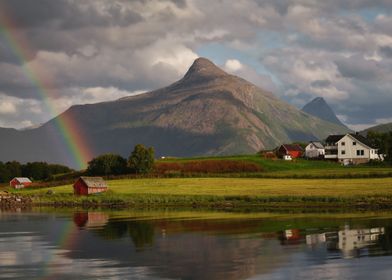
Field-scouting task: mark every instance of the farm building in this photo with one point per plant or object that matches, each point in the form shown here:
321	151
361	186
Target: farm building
314	150
292	150
20	182
89	185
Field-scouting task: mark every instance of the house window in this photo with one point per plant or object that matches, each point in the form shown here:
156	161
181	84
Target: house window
343	143
343	152
360	152
354	143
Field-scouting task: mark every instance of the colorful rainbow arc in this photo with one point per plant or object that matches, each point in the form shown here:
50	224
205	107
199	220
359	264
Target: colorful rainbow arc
71	134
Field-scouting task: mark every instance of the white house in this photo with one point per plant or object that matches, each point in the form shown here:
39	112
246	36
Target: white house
314	150
350	148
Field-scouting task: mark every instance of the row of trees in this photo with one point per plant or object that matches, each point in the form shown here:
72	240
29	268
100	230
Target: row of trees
383	141
32	170
140	161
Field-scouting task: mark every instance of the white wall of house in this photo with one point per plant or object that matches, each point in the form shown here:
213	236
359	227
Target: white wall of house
351	148
311	151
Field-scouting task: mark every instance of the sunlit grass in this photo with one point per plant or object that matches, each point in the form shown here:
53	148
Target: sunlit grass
232	187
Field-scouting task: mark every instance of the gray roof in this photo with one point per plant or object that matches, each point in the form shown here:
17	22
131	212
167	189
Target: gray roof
94	182
333	138
363	140
359	137
23	179
318	145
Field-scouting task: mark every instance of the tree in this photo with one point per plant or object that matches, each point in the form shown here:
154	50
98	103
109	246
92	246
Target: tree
14	168
5	174
36	170
383	142
141	159
108	164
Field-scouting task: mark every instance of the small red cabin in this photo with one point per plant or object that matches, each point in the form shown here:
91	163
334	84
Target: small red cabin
20	182
89	185
293	150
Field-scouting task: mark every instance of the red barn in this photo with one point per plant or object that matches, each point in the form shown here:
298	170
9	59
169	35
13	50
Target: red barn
89	185
20	182
293	150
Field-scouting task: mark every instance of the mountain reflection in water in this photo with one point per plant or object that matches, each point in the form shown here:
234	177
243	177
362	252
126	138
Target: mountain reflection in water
118	245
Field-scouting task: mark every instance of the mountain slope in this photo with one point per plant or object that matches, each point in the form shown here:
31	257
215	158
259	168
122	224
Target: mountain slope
387	127
318	107
207	112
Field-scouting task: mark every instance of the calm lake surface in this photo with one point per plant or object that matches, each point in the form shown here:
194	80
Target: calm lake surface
43	244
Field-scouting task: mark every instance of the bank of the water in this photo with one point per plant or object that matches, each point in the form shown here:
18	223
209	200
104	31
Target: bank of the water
369	193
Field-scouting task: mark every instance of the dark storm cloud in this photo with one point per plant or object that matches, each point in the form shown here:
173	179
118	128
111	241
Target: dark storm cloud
321	83
358	68
386	51
68	14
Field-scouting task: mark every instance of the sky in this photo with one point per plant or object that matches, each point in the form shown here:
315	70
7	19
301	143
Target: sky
96	50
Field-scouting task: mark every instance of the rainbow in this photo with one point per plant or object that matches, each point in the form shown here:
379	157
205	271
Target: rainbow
71	136
67	239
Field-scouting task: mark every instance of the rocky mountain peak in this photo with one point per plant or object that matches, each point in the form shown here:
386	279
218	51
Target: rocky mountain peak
203	69
318	107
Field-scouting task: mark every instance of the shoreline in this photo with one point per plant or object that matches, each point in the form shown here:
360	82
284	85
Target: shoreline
218	203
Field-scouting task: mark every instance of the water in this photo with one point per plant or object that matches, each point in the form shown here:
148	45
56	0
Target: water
194	245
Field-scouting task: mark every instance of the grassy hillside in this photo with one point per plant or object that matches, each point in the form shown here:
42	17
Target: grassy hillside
299	168
379	128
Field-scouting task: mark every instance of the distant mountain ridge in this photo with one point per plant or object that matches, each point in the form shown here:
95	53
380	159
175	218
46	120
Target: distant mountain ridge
386	127
207	112
318	107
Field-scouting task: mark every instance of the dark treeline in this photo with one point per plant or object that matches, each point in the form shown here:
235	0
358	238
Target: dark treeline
383	142
140	161
32	170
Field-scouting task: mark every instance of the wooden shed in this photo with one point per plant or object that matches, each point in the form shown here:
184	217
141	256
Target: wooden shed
89	185
20	182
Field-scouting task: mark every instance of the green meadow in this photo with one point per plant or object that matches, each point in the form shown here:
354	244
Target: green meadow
229	192
293	184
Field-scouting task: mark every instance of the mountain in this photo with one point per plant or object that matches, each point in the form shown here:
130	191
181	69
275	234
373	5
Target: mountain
387	127
207	112
318	107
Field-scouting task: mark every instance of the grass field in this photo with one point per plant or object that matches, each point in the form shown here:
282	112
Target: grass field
298	168
235	191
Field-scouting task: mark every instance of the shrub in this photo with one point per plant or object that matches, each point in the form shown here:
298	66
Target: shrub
108	164
207	166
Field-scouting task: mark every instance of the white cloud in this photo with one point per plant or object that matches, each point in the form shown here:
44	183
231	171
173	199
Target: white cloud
26	123
99	94
233	65
7	107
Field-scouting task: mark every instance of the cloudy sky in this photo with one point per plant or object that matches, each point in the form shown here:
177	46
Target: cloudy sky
91	51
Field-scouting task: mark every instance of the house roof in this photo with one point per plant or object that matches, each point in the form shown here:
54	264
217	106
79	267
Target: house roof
334	138
94	182
363	140
358	137
292	147
22	179
318	145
